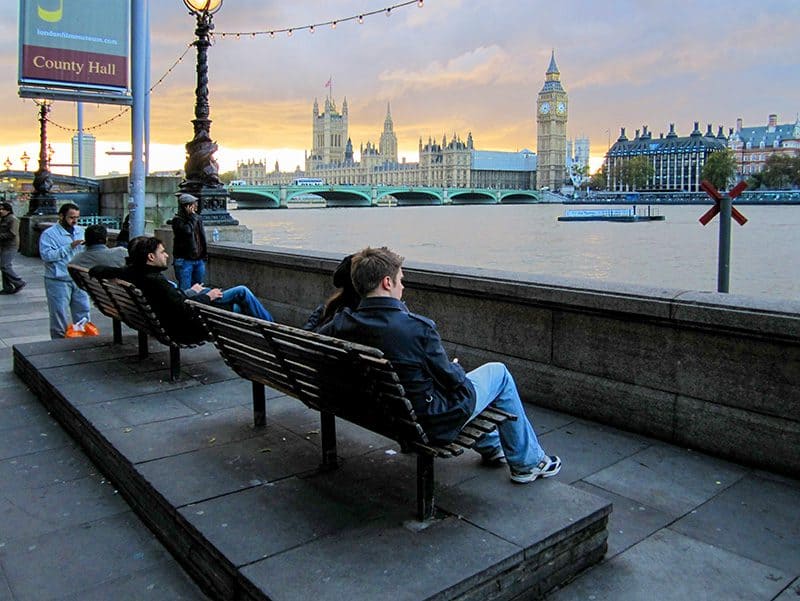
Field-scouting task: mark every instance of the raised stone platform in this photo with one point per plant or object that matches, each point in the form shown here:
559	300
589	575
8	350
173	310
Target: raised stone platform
248	514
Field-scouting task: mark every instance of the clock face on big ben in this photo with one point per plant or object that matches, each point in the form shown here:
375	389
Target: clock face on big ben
545	108
561	108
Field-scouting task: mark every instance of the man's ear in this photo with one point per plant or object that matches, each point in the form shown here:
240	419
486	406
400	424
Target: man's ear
386	283
151	257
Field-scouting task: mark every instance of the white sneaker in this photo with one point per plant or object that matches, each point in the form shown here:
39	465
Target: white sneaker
546	468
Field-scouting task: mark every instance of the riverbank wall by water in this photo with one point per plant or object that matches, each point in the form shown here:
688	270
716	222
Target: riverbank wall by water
713	372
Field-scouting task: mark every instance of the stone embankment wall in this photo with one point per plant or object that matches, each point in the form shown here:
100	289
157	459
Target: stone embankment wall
713	372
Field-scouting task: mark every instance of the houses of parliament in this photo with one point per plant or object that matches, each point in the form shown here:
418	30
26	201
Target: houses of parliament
449	162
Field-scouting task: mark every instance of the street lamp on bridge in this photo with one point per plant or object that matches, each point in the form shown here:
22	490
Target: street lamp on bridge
202	172
25	158
7	163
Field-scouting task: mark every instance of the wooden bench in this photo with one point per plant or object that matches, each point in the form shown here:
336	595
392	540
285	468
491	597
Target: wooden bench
125	303
338	379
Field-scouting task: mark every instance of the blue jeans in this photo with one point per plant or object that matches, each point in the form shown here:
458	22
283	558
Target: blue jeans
63	299
241	300
495	386
189	272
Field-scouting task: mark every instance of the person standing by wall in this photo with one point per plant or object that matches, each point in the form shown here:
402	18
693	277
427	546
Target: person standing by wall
189	249
9	244
57	247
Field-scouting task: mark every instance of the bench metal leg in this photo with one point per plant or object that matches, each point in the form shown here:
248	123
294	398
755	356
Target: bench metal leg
174	363
143	351
328	438
425	509
259	405
116	326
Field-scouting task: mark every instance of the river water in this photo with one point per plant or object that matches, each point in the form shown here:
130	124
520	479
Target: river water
676	253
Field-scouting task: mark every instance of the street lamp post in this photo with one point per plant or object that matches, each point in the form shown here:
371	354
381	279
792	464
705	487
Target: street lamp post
7	163
42	201
25	158
202	172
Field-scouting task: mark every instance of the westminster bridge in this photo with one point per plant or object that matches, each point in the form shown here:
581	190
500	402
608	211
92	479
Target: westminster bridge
342	195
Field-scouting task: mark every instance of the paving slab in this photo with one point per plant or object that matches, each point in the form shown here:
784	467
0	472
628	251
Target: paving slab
754	518
225	468
669	566
74	556
30	512
155	440
297	512
135	411
43	468
630	522
791	593
21	414
30	439
164	582
384	560
671	480
586	448
223	395
14	392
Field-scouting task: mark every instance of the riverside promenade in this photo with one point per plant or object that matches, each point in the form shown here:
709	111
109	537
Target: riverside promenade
684	525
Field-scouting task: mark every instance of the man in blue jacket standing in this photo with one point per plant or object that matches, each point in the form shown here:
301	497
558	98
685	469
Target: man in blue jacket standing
444	397
57	246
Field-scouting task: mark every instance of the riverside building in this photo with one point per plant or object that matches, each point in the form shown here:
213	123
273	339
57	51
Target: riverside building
752	146
677	161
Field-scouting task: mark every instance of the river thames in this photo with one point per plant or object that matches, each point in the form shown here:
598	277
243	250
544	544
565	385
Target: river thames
676	253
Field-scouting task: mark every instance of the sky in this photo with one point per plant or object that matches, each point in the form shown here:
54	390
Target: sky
452	66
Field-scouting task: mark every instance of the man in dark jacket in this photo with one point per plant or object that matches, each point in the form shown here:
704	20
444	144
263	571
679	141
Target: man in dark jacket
146	271
189	247
444	397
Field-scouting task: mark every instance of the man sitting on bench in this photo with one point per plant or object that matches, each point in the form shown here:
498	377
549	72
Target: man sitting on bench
444	397
148	261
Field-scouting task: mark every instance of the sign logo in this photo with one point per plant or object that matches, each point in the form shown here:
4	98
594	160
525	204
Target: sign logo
51	15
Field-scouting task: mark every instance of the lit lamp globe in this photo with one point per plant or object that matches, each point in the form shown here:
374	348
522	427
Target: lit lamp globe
208	7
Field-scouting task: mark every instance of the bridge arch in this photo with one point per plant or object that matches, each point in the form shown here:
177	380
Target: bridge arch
412	196
510	197
472	197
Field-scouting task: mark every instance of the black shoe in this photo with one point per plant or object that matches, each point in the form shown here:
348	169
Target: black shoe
7	291
18	288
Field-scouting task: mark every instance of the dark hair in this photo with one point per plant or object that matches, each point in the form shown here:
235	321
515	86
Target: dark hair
371	265
7	206
140	247
96	234
345	296
66	207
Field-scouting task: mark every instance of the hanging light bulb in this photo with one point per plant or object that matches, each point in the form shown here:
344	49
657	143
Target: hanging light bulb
389	12
272	34
360	19
333	25
311	29
420	3
289	33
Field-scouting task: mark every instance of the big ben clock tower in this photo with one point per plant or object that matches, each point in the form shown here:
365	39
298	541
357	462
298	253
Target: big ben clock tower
551	138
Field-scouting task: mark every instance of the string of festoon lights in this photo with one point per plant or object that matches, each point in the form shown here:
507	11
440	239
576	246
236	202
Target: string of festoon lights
127	108
313	27
359	18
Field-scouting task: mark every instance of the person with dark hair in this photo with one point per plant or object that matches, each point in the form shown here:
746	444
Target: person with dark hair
189	247
345	296
58	245
97	252
148	261
444	397
9	244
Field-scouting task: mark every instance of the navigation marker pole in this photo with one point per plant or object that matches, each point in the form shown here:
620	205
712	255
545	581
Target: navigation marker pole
724	206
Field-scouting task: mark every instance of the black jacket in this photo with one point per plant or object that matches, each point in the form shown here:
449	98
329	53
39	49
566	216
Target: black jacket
166	300
442	395
190	237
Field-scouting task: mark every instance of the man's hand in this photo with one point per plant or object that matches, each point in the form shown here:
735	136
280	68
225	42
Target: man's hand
197	288
214	294
76	243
